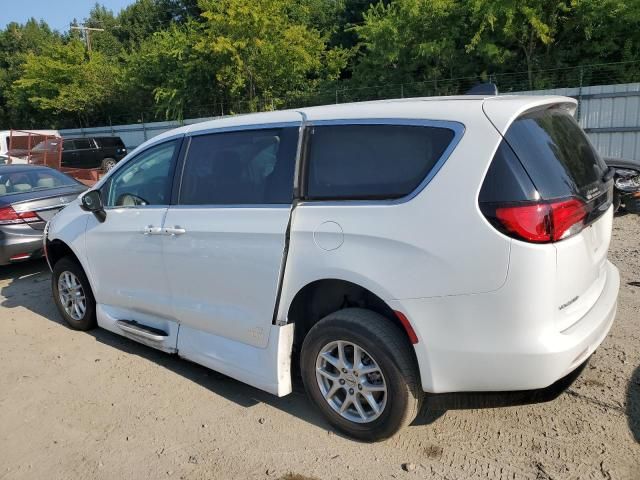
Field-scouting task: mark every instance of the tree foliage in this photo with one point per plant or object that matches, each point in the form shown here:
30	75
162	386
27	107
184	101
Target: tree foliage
169	59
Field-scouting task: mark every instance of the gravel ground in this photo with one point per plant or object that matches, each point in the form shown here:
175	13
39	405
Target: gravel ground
94	405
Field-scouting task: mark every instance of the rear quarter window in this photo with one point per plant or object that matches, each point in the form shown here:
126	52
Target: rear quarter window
372	161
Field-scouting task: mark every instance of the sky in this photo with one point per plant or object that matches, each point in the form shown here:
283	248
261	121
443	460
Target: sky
57	13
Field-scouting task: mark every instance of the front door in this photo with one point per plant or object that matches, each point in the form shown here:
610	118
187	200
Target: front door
125	251
226	236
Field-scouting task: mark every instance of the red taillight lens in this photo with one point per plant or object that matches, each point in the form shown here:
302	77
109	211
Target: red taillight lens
542	222
528	222
568	218
9	216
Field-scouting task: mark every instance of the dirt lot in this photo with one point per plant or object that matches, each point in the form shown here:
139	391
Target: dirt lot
94	405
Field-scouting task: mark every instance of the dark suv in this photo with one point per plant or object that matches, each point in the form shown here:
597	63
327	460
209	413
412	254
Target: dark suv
92	152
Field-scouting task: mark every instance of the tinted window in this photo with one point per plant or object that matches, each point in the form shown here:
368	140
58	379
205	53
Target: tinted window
148	178
110	142
82	143
506	179
556	154
372	161
67	145
33	180
244	167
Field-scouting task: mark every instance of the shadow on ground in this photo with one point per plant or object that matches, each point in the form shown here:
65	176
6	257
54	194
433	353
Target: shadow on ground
27	285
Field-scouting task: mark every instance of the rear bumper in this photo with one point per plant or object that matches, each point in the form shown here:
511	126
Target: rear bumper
19	240
487	343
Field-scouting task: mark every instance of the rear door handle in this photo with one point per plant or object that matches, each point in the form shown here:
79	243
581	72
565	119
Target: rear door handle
174	231
151	230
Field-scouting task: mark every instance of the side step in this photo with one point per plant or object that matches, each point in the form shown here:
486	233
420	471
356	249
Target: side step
149	333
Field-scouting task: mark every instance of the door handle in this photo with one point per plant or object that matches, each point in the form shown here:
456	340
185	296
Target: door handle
151	230
174	231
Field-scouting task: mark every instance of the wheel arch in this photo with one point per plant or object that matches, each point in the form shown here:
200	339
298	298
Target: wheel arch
57	249
321	297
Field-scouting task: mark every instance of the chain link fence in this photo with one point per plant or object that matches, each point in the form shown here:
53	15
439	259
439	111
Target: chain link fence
609	103
347	91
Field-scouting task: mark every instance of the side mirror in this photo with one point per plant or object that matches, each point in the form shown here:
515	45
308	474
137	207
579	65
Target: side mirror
92	202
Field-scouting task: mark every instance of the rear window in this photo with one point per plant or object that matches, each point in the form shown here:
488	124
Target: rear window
556	154
33	179
110	142
372	161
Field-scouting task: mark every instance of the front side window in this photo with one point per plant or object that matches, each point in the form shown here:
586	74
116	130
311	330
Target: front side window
372	161
240	168
145	180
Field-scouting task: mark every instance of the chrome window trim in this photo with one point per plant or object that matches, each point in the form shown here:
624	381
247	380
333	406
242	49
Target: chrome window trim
232	205
242	128
106	178
136	207
133	154
458	129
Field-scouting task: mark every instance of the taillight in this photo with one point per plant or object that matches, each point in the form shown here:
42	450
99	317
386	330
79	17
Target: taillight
8	216
539	222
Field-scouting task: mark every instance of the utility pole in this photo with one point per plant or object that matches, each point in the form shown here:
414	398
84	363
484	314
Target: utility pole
86	31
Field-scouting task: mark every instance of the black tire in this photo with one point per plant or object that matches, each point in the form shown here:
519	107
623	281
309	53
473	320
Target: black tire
389	348
108	164
88	320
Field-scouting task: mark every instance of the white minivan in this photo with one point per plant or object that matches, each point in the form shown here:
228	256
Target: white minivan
392	248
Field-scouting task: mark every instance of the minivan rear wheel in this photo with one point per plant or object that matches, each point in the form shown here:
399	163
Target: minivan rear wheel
72	294
359	370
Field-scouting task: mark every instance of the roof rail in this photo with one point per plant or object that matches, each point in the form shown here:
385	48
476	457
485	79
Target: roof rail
483	89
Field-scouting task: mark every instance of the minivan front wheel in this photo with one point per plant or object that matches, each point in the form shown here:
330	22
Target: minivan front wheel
357	367
72	294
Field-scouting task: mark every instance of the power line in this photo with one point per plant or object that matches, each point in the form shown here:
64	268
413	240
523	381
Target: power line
86	32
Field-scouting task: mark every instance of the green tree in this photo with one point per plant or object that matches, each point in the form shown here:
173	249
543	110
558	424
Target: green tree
264	52
65	81
512	29
172	76
410	41
16	42
140	20
106	41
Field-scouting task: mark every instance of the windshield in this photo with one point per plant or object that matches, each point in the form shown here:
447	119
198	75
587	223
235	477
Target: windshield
47	145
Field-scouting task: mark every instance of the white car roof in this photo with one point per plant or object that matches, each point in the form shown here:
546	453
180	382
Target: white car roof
453	108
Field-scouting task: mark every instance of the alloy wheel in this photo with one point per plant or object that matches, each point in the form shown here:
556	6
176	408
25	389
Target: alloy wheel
71	295
109	165
351	381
